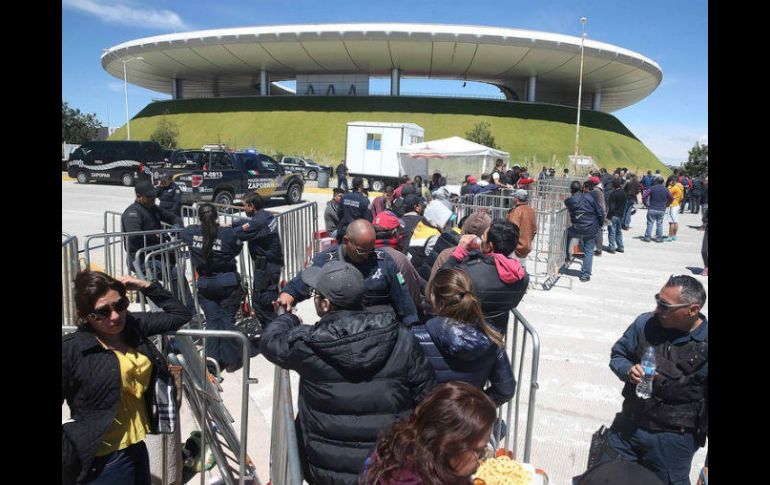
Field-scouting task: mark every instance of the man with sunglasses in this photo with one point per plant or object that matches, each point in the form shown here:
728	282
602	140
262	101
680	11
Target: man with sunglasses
359	371
663	432
385	285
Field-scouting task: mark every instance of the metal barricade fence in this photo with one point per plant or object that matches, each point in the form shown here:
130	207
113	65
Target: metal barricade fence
69	268
285	468
111	255
516	347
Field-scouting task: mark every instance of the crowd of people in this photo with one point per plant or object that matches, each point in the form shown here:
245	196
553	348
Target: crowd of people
401	375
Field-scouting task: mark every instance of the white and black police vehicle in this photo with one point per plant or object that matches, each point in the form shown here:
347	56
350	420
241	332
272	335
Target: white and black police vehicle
114	161
307	167
221	176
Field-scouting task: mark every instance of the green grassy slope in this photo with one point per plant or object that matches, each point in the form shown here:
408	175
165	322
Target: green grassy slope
315	126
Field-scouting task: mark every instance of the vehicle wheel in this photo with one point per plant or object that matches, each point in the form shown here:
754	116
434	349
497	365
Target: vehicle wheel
377	185
312	175
224	197
294	194
127	179
82	178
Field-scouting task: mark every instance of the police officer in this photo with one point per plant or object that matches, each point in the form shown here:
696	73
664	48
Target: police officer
145	215
261	232
354	205
342	176
664	431
384	284
170	195
213	250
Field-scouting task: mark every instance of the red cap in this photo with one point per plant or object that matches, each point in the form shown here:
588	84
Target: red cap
594	180
472	179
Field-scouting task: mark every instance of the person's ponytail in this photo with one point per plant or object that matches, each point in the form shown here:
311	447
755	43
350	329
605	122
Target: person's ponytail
208	216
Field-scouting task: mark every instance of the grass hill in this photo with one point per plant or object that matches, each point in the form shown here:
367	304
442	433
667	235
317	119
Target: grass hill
537	134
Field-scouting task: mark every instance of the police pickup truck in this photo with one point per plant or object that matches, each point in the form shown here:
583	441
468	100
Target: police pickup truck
222	177
309	168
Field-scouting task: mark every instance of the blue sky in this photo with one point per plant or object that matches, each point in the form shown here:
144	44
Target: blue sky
674	34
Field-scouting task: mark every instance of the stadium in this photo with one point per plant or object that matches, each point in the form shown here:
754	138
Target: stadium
225	87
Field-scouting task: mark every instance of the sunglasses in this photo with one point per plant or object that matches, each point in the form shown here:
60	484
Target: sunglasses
106	312
667	307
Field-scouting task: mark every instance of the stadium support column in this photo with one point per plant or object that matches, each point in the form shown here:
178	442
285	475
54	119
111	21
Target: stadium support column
597	101
531	85
395	82
177	89
264	83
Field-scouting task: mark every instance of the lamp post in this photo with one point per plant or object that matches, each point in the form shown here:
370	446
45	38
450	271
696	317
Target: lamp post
125	88
580	92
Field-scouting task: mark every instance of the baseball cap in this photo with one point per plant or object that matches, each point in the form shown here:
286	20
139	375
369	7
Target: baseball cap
166	176
477	223
338	281
521	194
472	179
145	187
516	165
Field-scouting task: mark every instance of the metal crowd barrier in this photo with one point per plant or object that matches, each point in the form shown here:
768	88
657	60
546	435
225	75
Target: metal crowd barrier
516	347
69	268
285	468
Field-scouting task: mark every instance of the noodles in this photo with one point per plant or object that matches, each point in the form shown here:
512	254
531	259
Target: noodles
503	471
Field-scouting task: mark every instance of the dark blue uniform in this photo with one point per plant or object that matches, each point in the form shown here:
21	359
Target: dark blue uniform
219	290
266	252
354	205
170	198
384	283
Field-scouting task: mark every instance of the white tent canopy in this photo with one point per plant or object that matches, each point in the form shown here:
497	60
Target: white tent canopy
454	157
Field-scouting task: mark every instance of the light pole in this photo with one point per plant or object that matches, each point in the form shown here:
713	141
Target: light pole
125	89
580	92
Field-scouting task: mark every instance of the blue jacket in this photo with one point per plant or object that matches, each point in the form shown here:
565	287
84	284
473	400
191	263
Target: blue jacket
354	205
262	235
461	352
585	213
385	285
659	198
170	198
222	258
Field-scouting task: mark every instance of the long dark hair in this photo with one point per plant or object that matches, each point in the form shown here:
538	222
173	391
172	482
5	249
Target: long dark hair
208	216
451	295
89	287
448	423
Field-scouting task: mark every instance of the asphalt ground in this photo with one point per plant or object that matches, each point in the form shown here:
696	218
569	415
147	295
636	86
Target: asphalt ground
577	327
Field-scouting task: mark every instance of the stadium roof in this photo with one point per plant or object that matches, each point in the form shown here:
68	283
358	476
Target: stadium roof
228	61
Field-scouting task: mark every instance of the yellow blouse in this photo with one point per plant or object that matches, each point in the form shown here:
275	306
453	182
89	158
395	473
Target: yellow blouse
130	425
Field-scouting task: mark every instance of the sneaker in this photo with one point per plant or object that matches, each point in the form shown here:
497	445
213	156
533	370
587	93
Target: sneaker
585	277
673	238
705	271
620	250
611	251
597	253
646	239
659	239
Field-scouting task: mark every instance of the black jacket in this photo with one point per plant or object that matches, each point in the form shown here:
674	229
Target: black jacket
497	297
359	372
447	239
263	237
586	215
354	205
170	199
139	218
91	381
461	352
222	258
616	204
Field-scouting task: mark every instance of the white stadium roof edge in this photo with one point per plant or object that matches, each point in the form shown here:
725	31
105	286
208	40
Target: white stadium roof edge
525	64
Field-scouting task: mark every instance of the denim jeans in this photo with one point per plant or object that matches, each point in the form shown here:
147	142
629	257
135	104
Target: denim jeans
656	217
629	206
588	244
129	466
220	301
667	455
616	233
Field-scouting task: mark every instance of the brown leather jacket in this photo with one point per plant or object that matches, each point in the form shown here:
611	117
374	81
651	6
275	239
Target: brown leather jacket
525	217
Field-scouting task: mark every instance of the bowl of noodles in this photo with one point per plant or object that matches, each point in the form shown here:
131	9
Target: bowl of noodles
504	470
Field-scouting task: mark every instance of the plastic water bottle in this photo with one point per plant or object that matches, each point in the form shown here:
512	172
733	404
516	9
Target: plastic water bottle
644	388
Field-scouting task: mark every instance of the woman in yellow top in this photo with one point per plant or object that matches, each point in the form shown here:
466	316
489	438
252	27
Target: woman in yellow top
115	381
672	211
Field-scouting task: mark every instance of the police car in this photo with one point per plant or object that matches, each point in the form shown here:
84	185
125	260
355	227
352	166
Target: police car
113	161
305	166
222	176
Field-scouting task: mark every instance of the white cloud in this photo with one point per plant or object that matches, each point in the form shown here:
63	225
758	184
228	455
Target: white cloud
129	15
115	86
670	144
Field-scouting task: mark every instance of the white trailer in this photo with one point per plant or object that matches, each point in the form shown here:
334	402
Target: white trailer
371	150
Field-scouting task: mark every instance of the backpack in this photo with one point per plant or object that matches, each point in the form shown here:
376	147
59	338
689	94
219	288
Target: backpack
389	230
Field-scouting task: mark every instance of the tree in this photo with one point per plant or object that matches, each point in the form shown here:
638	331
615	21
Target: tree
481	134
166	133
77	127
698	160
